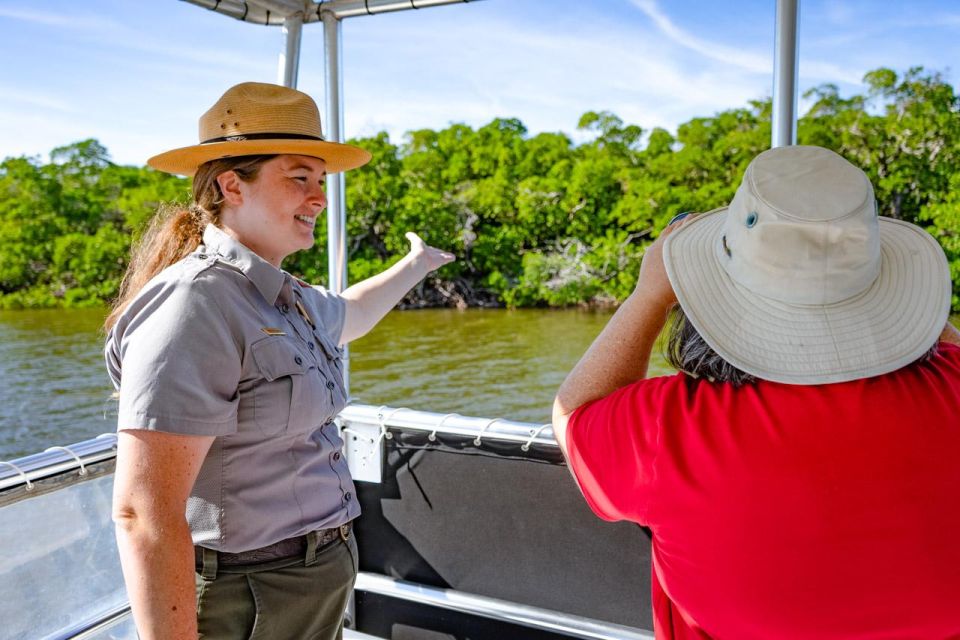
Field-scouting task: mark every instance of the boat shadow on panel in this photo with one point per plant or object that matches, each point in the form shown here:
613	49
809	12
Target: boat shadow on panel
494	521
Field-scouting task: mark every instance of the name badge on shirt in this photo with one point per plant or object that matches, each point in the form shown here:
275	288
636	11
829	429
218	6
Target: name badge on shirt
270	331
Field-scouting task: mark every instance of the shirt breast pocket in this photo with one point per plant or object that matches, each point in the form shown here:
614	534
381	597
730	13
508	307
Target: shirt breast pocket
287	399
334	370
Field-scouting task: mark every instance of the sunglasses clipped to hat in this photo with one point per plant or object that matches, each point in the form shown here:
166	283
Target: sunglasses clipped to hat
799	280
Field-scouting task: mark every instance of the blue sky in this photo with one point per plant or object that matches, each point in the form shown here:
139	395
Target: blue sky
136	74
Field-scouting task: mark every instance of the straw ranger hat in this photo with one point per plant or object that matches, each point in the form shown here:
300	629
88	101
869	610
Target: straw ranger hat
255	118
799	281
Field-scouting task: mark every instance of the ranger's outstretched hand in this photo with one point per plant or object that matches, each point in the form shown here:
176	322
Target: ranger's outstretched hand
425	255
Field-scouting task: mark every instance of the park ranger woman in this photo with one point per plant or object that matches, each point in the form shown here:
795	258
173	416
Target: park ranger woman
232	500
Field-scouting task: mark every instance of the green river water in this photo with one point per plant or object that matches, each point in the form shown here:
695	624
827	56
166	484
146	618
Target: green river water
491	363
54	388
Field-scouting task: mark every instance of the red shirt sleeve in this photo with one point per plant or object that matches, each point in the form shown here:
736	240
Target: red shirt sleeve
612	444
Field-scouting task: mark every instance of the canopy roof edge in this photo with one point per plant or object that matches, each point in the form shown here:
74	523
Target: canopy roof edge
276	12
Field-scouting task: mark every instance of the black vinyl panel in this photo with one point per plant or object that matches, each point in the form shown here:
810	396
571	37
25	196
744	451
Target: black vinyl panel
495	521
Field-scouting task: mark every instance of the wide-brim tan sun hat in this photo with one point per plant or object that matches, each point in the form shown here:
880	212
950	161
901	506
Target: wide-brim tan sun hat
800	281
255	118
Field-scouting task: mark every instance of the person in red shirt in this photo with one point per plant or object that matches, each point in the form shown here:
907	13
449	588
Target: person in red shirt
800	475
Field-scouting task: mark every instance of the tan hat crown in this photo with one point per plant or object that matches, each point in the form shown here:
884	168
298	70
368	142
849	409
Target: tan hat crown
255	118
806	216
255	109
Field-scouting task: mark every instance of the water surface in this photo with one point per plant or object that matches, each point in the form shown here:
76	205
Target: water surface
492	363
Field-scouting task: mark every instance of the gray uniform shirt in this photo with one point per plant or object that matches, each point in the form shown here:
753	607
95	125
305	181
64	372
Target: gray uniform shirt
221	344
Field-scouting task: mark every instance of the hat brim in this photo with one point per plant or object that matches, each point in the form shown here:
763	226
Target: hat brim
185	160
891	324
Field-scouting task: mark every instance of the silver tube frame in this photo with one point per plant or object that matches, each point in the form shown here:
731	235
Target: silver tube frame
336	183
499	610
274	12
786	56
54	462
103	448
91	628
281	7
289	63
355	8
450	424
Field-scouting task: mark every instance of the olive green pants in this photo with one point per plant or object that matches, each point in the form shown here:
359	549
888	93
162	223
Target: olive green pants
300	598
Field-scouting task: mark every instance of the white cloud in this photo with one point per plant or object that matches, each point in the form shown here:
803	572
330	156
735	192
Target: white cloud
756	63
736	56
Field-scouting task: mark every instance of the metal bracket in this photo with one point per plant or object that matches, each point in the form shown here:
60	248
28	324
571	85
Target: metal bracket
363	446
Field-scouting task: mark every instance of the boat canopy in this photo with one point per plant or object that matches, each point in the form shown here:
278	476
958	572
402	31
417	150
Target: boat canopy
276	12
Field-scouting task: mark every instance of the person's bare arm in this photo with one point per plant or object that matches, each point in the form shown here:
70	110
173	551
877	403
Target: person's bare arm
370	300
621	353
154	475
950	334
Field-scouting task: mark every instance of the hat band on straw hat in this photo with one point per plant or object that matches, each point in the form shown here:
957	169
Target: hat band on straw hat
255	118
263	136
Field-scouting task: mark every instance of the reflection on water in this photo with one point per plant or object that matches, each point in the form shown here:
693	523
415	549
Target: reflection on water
493	363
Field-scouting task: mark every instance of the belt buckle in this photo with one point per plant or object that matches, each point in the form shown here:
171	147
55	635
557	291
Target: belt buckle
345	532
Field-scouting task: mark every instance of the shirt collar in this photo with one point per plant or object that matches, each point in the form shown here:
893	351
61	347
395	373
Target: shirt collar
265	277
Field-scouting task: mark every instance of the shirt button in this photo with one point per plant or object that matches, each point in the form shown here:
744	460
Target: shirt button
298	360
310	345
336	456
330	385
284	308
348	496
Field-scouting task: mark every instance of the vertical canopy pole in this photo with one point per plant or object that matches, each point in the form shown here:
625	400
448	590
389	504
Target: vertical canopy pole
785	59
336	184
290	58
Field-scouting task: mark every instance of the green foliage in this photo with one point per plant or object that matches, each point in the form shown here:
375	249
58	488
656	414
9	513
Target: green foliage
534	220
66	226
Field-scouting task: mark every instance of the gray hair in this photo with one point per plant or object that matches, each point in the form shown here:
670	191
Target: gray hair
687	351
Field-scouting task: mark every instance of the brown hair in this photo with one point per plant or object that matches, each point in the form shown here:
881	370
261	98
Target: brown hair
175	231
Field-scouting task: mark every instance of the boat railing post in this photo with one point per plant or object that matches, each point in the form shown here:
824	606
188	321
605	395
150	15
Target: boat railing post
289	64
336	184
786	45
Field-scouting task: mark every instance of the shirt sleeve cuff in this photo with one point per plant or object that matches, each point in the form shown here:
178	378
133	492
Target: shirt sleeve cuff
177	425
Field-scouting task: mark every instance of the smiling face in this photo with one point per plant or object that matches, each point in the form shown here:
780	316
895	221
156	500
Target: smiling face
274	215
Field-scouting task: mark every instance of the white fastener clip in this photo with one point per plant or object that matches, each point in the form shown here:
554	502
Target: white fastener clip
536	432
383	422
478	439
83	469
433	434
23	476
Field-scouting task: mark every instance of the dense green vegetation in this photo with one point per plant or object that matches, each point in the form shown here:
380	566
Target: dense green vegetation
534	220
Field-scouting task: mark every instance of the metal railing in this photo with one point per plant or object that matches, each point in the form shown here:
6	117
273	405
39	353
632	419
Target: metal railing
66	465
377	421
56	461
499	610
